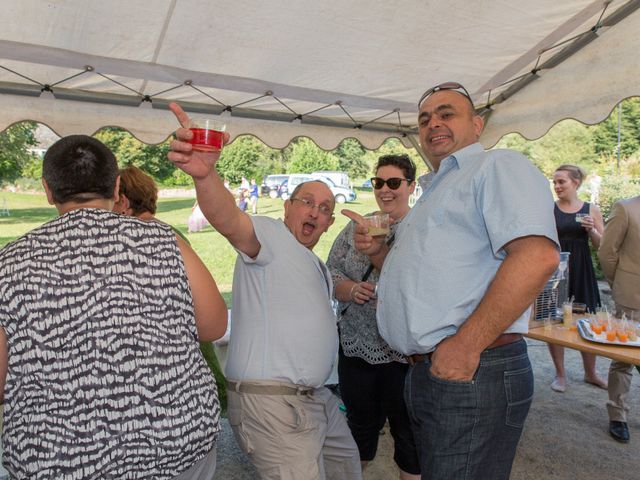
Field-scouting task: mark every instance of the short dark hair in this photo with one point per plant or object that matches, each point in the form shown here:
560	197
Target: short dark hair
140	189
80	168
403	162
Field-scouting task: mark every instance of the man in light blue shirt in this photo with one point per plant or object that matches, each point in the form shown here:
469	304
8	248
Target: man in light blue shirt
456	288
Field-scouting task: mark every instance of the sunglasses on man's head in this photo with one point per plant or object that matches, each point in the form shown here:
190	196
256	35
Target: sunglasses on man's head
445	86
394	183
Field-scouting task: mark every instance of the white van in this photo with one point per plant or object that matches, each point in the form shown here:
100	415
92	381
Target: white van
342	194
341	179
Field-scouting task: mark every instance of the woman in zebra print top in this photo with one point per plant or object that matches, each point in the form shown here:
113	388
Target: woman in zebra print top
100	317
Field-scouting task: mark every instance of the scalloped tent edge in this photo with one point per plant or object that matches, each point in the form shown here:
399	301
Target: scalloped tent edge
525	90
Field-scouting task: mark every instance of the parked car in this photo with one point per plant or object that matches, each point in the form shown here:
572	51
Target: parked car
367	184
271	184
341	194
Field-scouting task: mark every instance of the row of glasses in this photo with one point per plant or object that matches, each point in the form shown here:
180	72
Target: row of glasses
621	329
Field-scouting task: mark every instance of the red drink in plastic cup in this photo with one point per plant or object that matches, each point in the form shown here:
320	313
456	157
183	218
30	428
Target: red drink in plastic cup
208	135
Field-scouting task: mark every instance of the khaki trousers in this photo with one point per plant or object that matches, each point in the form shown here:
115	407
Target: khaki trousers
294	437
620	379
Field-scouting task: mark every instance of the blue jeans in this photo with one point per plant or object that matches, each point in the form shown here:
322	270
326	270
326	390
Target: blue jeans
470	430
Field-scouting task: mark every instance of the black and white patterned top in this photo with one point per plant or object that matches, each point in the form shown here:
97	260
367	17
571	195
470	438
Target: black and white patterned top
105	376
359	335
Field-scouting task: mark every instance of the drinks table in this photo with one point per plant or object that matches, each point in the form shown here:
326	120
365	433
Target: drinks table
560	335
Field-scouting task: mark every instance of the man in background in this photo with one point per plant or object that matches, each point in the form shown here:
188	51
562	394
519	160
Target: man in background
619	255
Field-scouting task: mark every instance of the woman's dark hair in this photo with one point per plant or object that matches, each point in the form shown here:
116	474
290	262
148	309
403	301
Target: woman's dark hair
403	162
80	168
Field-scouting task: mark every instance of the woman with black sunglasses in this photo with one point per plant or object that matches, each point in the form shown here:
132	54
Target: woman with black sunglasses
371	374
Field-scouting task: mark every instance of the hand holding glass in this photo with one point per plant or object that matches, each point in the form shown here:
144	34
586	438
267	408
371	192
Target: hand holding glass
580	217
378	224
208	134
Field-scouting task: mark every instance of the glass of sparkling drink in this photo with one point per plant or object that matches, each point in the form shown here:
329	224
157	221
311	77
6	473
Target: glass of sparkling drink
208	134
567	314
580	217
378	224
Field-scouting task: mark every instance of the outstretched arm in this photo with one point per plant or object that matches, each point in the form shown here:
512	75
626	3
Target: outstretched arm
209	307
374	247
216	202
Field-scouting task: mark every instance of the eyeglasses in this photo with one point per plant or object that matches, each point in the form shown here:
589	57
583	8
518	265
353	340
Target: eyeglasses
445	86
393	183
325	210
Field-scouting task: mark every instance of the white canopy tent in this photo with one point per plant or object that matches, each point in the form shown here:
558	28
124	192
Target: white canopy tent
323	69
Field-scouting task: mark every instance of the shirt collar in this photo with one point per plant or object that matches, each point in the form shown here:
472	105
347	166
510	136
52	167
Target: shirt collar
465	155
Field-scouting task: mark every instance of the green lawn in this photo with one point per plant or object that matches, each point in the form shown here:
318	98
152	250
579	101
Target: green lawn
31	210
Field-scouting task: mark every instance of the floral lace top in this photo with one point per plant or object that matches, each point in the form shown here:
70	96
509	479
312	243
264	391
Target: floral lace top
359	336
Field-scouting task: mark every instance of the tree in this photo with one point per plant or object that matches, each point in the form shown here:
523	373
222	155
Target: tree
248	157
306	157
614	188
393	147
351	158
567	142
605	134
14	154
130	151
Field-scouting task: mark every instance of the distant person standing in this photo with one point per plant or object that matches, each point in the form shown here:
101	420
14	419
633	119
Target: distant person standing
253	196
619	256
577	223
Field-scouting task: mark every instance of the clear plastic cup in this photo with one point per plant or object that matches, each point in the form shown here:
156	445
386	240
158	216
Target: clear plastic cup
208	134
378	224
567	314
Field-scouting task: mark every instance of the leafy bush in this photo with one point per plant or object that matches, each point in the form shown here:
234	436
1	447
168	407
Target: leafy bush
615	188
28	184
178	179
306	157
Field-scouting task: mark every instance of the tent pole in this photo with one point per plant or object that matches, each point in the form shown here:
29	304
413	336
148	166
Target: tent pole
619	125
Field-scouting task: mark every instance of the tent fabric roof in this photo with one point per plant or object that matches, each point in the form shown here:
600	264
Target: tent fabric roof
327	70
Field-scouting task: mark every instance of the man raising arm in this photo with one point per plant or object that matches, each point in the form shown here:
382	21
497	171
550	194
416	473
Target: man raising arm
284	337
